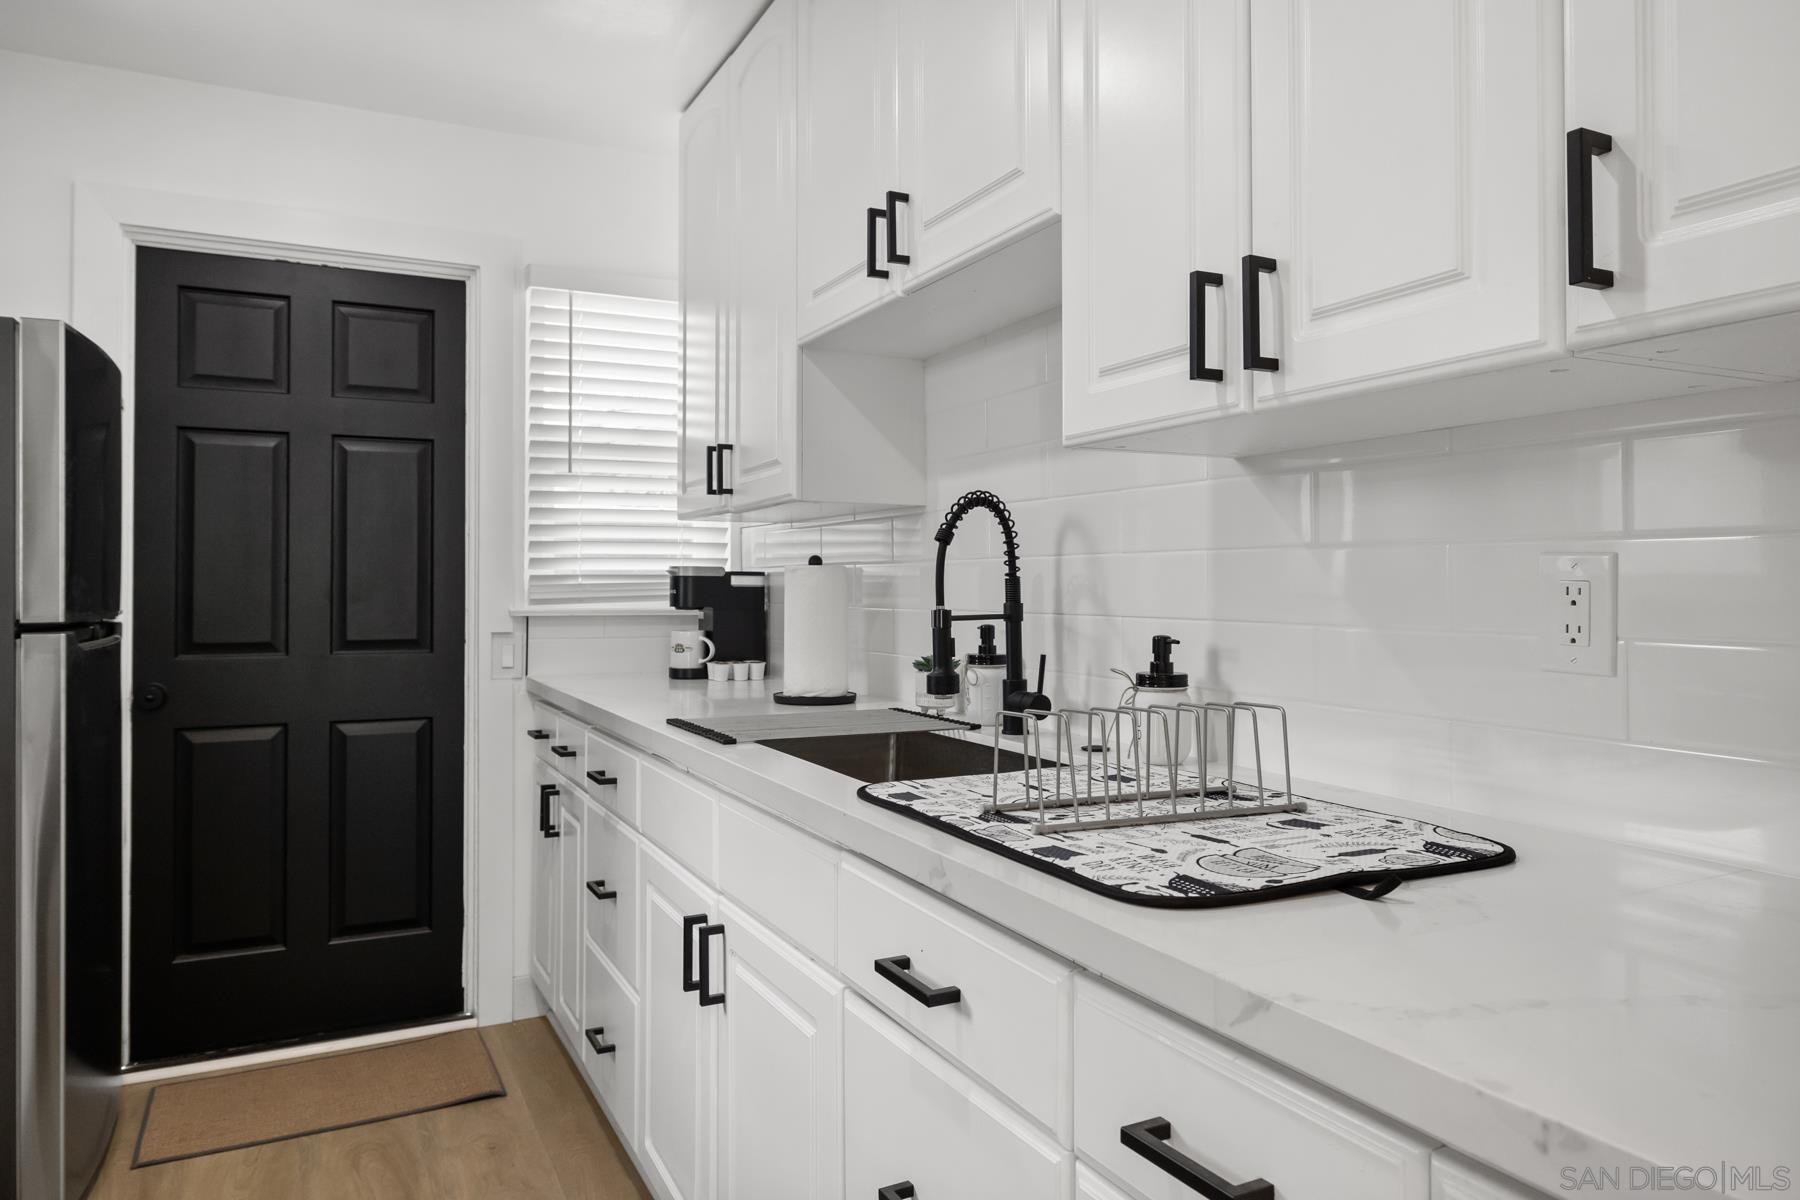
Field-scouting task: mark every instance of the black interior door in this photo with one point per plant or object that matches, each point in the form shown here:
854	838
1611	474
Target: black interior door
297	619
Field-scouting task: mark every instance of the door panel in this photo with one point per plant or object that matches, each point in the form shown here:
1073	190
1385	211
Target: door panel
1157	127
705	296
546	862
297	772
680	1039
978	143
848	160
569	897
1399	170
1698	203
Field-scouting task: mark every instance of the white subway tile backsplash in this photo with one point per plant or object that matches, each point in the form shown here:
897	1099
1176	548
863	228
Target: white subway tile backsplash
1404	587
1725	589
1732	699
1249	510
1742	478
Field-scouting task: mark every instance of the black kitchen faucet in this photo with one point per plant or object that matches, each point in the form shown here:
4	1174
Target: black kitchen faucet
943	679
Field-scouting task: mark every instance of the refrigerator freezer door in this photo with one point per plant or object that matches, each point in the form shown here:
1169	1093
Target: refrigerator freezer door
68	490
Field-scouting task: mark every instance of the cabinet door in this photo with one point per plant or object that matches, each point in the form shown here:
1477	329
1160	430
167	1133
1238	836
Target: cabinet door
1401	177
680	1036
705	278
781	1120
545	862
764	408
1156	121
1696	209
911	1117
569	895
978	130
848	84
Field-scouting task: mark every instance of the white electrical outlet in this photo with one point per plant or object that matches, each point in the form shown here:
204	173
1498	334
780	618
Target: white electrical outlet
1579	613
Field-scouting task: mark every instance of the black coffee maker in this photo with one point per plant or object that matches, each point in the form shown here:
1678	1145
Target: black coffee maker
733	608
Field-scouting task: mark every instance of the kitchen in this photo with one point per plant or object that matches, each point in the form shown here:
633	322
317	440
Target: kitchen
767	469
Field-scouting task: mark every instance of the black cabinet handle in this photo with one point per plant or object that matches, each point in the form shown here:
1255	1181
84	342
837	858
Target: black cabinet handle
1584	145
1198	282
689	981
1255	267
545	791
1150	1139
598	890
873	271
538	735
894	201
596	1037
712	456
562	752
898	971
896	1191
601	779
724	448
708	997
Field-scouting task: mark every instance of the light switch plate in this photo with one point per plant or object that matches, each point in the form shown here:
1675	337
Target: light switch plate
505	658
1578	612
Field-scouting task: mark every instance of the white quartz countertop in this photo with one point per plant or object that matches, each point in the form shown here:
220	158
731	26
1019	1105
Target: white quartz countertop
1591	1005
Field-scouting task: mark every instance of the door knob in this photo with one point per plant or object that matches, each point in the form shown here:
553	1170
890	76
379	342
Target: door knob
151	697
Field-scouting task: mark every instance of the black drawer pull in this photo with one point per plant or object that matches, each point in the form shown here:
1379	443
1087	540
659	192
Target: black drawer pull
601	779
562	752
598	890
898	971
1150	1139
545	791
871	270
1198	282
1255	267
596	1038
712	458
1583	146
896	1191
708	997
538	735
724	473
894	201
689	981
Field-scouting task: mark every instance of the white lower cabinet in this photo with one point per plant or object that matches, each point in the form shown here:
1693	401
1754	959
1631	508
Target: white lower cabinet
678	1145
1090	1186
1454	1177
568	902
1164	1107
781	1124
608	889
545	872
912	1118
609	1042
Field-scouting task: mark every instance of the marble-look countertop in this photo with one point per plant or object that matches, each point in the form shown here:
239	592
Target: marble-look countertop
1591	1005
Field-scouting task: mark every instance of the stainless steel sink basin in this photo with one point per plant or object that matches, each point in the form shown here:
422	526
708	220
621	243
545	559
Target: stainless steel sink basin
885	757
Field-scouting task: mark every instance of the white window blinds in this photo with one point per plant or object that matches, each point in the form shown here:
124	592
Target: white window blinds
605	387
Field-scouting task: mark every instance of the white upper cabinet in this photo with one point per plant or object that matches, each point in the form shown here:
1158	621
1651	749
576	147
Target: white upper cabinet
849	83
1400	164
705	283
1153	218
978	125
1695	209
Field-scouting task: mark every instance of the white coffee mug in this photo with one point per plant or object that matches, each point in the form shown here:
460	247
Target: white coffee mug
685	651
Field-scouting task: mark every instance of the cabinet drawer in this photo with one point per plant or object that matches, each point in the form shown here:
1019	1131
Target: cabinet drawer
540	731
911	1117
567	747
1234	1116
610	772
782	875
611	1008
678	814
609	889
1010	1023
1454	1177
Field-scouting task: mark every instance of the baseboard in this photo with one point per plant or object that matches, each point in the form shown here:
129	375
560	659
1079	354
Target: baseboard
528	1002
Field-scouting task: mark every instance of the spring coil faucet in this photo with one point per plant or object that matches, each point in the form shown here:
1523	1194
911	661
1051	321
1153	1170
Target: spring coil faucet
943	679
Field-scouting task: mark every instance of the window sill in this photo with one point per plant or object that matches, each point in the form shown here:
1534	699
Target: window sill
529	611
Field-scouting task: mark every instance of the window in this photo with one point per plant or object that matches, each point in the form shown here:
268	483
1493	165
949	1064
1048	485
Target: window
605	381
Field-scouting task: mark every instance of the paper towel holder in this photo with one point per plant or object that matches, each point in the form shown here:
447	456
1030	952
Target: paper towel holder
845	698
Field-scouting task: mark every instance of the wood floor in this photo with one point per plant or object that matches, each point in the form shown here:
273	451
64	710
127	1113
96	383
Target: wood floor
546	1138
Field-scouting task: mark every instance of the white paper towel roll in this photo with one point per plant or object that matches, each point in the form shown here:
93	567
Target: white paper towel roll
816	631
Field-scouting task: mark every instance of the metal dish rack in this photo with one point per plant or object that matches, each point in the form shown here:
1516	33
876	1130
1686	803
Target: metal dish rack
1117	793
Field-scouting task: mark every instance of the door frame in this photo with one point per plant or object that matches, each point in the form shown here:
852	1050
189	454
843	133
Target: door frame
110	225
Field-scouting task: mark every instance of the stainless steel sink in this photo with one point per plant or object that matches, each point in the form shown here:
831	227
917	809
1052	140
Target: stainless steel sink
886	757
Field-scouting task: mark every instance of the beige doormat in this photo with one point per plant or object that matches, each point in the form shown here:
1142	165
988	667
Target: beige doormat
271	1104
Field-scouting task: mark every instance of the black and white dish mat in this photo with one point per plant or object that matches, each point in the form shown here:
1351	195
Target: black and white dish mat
1198	864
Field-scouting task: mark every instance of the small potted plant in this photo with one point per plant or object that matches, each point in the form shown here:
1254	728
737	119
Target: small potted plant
921	695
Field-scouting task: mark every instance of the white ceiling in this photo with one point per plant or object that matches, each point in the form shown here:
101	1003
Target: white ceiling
610	71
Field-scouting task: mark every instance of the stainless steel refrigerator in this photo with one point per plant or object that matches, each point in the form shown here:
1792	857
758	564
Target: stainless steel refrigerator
60	739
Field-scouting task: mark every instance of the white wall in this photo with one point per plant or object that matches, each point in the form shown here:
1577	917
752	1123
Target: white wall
318	175
1385	593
